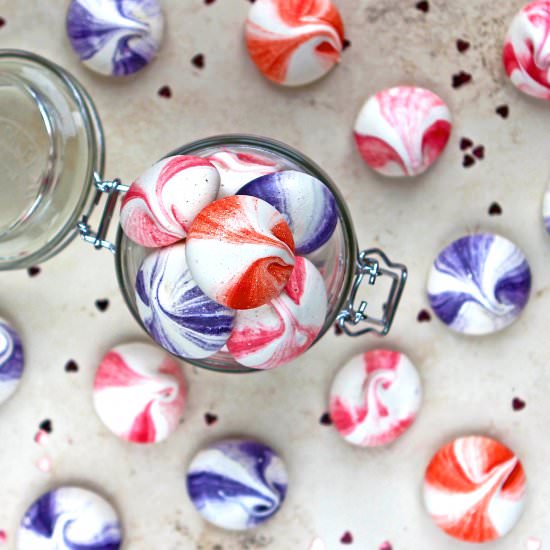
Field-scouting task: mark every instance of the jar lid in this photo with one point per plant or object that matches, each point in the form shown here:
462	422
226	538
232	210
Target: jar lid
51	151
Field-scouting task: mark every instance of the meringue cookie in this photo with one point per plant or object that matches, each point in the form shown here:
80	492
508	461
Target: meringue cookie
272	335
474	489
402	131
174	310
12	360
375	398
115	38
237	168
160	206
240	251
526	53
237	484
294	42
479	284
70	518
306	203
139	392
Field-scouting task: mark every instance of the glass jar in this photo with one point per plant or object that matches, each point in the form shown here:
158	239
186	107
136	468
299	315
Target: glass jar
66	132
51	153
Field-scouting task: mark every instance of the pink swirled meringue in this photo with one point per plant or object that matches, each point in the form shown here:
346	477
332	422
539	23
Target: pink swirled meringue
402	131
160	206
139	392
238	168
375	397
274	334
294	42
526	53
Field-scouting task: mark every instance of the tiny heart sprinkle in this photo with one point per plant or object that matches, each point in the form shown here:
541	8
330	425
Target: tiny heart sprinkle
495	209
423	316
325	419
71	366
2	22
465	143
346	538
462	45
198	61
423	6
386	546
210	418
33	271
346	44
102	305
503	111
46	426
479	152
461	78
518	404
468	161
165	92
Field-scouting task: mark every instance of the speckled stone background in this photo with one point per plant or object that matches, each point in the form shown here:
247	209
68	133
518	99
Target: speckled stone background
469	383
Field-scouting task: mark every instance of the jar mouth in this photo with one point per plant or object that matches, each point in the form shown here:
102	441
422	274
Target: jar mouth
52	147
348	253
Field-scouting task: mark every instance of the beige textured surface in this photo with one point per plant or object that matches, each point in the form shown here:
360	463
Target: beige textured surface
469	383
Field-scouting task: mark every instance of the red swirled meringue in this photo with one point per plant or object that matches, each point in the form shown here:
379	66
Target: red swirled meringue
294	42
474	489
240	252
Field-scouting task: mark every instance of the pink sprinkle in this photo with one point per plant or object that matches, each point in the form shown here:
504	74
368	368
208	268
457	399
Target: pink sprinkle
45	464
347	538
41	437
533	543
317	544
386	546
3	537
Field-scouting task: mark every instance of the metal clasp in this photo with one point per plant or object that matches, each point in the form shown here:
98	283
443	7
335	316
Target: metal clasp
369	266
98	238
